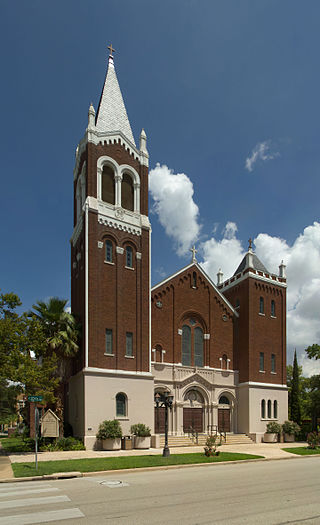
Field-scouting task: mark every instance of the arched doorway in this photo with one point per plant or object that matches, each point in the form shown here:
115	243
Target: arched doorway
193	411
224	414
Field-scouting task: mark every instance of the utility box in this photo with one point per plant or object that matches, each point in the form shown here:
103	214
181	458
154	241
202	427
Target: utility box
126	443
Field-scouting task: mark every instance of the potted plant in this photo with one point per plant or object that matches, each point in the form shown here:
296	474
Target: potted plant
272	432
110	433
142	435
290	430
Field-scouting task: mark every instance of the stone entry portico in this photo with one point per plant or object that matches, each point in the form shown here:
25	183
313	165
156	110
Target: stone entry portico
198	389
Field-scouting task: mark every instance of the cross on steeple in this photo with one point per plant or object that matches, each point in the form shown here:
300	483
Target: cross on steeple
250	244
193	251
111	49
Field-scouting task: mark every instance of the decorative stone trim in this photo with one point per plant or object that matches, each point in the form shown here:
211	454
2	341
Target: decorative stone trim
100	244
138	255
179	331
119	250
78	256
113	223
74	265
77	230
206	336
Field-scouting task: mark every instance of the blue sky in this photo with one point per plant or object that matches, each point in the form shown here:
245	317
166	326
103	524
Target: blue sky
213	83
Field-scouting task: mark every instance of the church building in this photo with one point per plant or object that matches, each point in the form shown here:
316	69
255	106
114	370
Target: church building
218	348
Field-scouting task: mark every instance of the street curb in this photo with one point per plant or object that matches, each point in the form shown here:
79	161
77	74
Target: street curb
71	475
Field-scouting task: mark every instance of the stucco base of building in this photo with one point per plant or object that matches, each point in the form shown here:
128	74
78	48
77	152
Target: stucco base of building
92	399
250	396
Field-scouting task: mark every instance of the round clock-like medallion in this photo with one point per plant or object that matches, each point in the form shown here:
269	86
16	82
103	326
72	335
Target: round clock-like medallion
159	304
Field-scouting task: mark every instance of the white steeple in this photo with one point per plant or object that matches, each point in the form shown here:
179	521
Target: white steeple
219	277
91	117
112	115
282	270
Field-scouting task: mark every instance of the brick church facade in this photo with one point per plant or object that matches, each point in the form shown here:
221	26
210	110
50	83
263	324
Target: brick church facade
219	349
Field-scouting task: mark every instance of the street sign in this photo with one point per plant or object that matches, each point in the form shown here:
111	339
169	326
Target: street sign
35	399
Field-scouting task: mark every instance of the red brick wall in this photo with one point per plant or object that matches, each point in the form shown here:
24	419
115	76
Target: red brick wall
180	302
259	333
118	297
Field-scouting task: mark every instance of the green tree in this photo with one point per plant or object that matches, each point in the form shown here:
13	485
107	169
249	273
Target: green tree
313	352
61	334
21	341
295	408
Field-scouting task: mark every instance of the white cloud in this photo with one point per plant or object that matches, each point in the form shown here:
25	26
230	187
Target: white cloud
173	203
261	152
224	253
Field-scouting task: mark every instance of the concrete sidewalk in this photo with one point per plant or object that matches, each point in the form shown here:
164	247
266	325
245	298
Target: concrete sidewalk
5	465
268	450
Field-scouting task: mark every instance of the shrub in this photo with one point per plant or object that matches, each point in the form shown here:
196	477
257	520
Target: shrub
210	448
140	430
306	427
109	429
69	443
290	427
273	428
313	439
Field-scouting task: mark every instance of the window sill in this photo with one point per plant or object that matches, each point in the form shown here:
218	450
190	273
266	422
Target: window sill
273	316
262	314
109	262
122	418
129	268
262	371
129	356
109	355
274	373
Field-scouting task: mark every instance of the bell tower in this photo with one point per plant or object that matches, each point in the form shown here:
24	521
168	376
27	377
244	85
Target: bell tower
110	270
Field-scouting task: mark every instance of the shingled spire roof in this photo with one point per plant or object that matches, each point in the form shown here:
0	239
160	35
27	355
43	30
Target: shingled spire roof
112	115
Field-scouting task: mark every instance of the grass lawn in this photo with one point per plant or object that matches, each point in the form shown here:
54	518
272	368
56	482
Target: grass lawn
96	464
303	451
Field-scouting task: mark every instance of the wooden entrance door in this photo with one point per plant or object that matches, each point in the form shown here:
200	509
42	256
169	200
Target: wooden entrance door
223	420
159	418
193	417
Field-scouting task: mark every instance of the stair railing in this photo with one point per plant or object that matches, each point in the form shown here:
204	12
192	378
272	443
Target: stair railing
214	431
193	434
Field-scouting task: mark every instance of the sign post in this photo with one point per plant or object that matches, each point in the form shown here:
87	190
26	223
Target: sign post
36	399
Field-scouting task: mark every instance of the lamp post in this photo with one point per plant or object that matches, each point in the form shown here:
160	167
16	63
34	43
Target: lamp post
164	400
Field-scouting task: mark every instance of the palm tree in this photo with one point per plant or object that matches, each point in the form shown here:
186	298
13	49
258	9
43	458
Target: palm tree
62	334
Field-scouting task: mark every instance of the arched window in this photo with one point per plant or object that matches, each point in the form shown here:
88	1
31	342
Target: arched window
186	345
109	251
107	185
224	362
263	409
273	309
198	346
194	280
224	400
261	306
158	356
275	409
127	192
129	257
121	405
269	409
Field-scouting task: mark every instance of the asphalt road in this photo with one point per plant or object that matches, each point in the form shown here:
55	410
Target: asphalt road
274	492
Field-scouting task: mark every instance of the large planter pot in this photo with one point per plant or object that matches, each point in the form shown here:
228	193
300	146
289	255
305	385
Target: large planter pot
270	438
111	444
142	442
289	438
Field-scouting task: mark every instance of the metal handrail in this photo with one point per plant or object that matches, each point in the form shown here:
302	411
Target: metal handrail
213	430
194	434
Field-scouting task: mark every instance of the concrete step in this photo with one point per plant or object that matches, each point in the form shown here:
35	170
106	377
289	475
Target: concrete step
185	441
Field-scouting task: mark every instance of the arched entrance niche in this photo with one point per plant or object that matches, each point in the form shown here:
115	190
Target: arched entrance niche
225	412
193	410
159	413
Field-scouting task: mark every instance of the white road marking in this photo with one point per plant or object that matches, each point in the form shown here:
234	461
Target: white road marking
32	501
42	517
25	491
5	487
